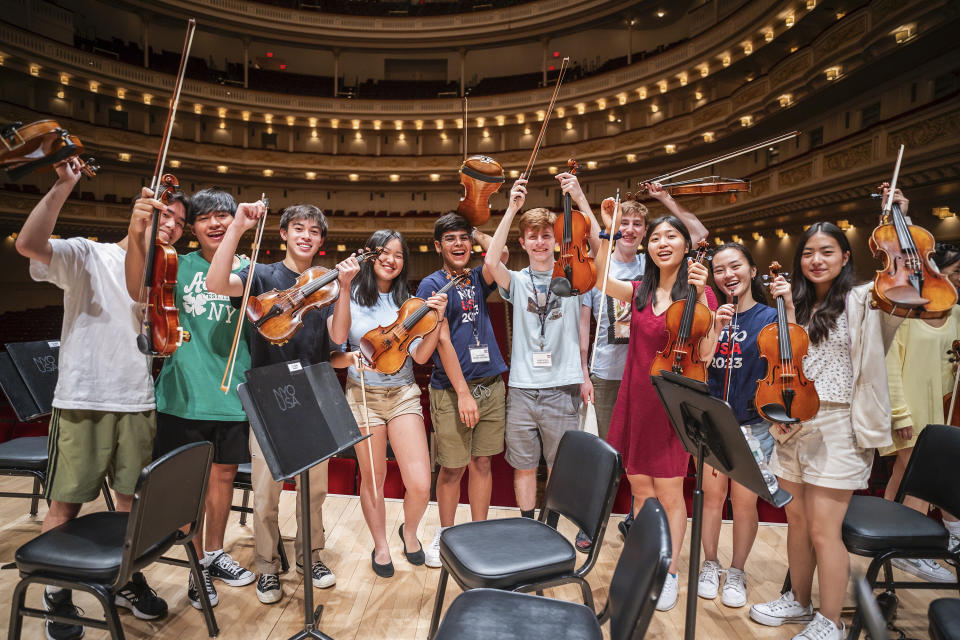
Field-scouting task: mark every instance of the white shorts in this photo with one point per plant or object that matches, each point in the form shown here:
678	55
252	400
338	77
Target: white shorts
825	452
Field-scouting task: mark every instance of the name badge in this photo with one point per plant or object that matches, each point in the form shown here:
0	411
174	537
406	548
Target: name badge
479	353
542	359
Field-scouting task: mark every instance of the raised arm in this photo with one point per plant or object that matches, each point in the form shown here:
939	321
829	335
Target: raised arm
484	241
619	289
570	184
33	241
491	262
697	231
220	280
338	324
138	231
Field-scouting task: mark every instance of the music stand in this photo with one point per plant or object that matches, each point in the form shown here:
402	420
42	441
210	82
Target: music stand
300	418
28	377
708	430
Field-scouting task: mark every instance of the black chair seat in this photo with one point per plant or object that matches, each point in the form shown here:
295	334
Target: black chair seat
944	614
874	525
87	548
489	613
503	553
24	453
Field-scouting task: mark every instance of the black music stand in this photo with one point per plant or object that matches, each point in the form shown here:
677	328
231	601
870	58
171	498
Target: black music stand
709	431
300	418
28	377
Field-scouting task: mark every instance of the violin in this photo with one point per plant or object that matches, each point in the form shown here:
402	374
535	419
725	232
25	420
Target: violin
387	348
686	323
786	395
575	269
909	285
951	408
38	145
481	177
278	315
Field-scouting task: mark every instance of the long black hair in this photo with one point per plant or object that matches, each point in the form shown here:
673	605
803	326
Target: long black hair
365	289
756	283
647	291
824	320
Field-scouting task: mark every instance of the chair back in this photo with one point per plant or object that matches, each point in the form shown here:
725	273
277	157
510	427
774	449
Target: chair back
932	474
870	610
169	495
640	573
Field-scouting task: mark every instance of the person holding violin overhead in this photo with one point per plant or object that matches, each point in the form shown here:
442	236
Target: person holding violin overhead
732	375
104	418
387	405
304	228
827	458
653	456
186	409
546	370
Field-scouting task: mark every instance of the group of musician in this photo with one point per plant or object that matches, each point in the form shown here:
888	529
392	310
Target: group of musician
111	418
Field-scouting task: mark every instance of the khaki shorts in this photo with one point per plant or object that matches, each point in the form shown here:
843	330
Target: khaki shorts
458	443
383	403
825	452
84	446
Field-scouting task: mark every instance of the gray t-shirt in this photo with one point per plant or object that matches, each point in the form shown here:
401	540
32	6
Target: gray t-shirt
560	326
363	319
611	353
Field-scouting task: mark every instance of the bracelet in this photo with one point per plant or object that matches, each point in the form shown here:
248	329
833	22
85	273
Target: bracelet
606	236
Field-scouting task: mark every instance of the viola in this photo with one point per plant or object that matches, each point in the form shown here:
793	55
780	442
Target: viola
574	267
686	323
278	315
951	408
387	348
785	395
481	177
909	285
38	145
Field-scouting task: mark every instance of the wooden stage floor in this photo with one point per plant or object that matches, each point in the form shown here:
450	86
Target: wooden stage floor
364	607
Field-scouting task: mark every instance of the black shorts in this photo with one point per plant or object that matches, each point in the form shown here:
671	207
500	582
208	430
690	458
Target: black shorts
230	438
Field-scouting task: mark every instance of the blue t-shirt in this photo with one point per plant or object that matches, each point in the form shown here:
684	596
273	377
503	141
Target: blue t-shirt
469	320
747	366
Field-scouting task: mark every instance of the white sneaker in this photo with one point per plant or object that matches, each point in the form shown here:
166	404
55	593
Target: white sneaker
782	610
734	588
821	628
431	554
668	595
929	570
709	581
269	589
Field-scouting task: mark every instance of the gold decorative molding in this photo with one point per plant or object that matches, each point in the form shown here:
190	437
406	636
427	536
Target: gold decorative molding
857	155
944	129
796	175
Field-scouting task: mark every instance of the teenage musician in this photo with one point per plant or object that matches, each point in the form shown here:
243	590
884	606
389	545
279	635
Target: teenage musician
104	417
733	375
653	456
392	401
830	456
303	227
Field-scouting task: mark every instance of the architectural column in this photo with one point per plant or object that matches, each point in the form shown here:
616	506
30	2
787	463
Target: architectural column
336	71
379	144
246	63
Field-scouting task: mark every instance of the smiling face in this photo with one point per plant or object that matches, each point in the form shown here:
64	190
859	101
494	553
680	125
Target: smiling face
539	242
390	263
209	229
733	273
667	246
632	229
304	237
454	249
173	217
822	259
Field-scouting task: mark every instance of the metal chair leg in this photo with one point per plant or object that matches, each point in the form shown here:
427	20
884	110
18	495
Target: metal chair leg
110	615
105	490
212	629
438	603
244	503
587	594
16	617
35	500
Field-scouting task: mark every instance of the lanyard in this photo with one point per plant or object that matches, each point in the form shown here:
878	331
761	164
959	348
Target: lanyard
542	311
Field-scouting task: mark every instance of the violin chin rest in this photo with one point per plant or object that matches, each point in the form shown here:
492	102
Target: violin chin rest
905	296
776	413
560	286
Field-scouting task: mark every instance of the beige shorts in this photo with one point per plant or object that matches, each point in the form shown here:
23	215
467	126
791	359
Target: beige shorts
383	403
458	443
825	452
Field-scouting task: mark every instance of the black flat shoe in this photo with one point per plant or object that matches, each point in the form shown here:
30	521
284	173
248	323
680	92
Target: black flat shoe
382	570
416	558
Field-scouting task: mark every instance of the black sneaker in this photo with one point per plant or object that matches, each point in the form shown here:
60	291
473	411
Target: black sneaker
137	596
194	595
625	524
61	604
269	589
230	572
323	578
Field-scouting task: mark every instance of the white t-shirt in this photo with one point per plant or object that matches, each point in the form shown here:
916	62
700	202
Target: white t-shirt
101	368
362	320
530	367
611	354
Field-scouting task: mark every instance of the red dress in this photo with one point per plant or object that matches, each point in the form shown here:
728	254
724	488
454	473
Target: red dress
639	427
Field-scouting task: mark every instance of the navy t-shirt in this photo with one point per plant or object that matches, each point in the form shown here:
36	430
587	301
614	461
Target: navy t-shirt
309	345
469	320
747	366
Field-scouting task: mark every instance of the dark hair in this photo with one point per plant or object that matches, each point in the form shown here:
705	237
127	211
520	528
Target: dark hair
208	201
304	212
945	254
757	290
450	222
364	287
824	320
647	291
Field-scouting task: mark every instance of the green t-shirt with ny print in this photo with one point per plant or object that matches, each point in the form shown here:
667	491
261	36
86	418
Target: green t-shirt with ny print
189	383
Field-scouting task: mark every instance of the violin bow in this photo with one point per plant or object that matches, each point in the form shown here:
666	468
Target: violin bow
232	358
603	287
888	205
465	128
366	421
546	118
